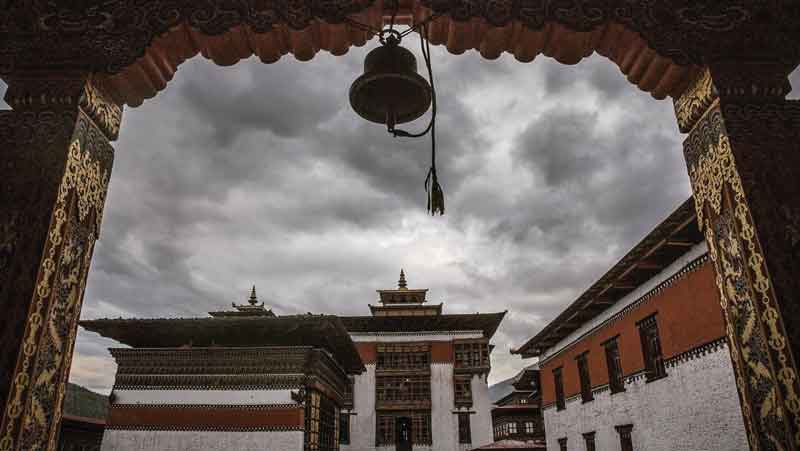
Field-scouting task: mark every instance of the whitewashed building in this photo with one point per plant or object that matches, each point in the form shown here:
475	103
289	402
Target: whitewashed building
640	360
425	387
239	380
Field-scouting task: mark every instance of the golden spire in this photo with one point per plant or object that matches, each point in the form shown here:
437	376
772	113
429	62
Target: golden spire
401	284
253	299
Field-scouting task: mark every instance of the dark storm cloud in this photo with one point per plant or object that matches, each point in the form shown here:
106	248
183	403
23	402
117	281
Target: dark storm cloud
262	174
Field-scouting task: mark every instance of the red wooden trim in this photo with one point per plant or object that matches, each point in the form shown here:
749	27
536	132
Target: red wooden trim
205	417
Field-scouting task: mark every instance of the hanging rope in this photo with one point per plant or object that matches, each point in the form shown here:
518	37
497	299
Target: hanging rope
432	187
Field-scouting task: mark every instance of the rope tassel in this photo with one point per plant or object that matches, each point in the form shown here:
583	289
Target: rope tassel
434	192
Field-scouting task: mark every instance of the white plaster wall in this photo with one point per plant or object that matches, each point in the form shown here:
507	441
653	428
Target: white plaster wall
406	337
631	297
362	425
217	397
444	425
117	440
481	421
695	408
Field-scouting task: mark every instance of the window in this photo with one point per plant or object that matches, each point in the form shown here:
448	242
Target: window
472	354
651	349
512	428
464	431
421	424
558	381
348	392
403	389
462	385
420	428
344	429
403	357
321	416
583	372
589	438
530	428
616	380
562	444
385	433
625	440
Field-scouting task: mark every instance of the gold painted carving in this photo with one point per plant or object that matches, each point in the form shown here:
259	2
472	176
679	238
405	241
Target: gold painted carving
759	347
49	337
100	104
691	105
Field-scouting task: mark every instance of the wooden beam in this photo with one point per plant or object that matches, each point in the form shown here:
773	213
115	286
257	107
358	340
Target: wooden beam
648	265
681	243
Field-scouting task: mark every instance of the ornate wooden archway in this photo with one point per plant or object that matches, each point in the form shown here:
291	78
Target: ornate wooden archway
72	65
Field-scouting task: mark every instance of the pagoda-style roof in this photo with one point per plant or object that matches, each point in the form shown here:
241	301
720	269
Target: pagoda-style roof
484	322
663	245
252	308
322	331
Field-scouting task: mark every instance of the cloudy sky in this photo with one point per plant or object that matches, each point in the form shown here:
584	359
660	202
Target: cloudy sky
262	174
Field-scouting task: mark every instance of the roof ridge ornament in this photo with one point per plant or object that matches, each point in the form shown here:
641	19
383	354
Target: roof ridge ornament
253	299
401	284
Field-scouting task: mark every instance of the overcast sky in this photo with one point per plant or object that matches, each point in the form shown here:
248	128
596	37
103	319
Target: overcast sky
262	174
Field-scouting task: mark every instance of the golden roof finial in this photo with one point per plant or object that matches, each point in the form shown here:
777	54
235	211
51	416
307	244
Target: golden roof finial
402	282
253	299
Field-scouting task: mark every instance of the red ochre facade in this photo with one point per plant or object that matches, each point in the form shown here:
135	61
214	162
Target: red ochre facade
688	316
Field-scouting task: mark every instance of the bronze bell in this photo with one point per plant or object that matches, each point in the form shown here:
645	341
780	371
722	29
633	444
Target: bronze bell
390	91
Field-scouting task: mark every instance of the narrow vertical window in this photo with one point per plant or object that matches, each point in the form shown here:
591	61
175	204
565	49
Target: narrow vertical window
616	381
344	429
588	437
562	444
558	382
625	441
464	431
583	372
651	349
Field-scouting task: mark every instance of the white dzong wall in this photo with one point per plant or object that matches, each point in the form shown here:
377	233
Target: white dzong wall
481	420
202	440
695	407
444	425
362	424
193	440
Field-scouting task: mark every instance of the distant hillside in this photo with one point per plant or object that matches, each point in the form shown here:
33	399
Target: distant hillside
81	402
501	389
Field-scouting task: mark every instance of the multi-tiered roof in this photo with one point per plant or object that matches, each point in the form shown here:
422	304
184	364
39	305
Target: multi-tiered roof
407	310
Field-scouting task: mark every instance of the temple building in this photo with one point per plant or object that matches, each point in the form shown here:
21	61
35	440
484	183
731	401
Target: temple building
517	417
405	377
241	379
640	360
425	385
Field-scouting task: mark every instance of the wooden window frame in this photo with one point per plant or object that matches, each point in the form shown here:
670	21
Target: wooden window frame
471	354
464	428
584	375
403	357
616	376
651	348
462	390
344	428
558	385
589	439
421	431
625	437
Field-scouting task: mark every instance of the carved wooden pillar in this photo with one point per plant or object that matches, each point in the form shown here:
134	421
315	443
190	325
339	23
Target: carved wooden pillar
55	161
743	157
